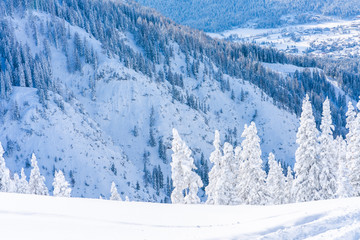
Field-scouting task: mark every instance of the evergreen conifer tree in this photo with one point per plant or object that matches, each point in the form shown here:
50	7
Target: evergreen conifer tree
275	181
344	187
15	184
213	188
350	136
23	186
37	181
252	177
5	180
185	181
308	166
288	186
115	196
61	186
353	153
227	181
238	184
327	155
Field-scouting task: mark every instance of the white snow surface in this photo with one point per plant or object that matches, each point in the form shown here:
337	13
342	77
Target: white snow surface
43	217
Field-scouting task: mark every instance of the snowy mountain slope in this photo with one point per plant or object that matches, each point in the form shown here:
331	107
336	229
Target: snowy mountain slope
62	139
104	118
130	76
72	218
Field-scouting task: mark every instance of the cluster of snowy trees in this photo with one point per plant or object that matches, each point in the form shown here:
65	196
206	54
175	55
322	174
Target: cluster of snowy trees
115	196
322	168
35	185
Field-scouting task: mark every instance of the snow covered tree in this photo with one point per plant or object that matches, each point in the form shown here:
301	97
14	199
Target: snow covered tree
185	181
238	175
5	180
23	185
353	153
15	184
275	181
115	196
61	186
252	177
227	181
327	155
37	182
288	186
212	189
193	186
344	187
350	136
21	75
308	165
350	120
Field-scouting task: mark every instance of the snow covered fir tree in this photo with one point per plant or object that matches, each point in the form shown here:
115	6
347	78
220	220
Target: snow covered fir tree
61	186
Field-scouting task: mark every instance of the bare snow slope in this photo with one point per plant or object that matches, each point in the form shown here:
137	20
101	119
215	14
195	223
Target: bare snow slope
39	217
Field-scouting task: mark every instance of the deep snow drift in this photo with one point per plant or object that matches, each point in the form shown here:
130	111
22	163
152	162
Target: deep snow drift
39	217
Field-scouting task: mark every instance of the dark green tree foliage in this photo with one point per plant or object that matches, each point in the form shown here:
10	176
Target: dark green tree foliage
113	169
18	66
169	186
147	174
203	170
152	141
157	179
162	151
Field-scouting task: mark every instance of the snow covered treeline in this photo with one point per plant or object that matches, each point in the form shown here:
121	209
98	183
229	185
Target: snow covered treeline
35	185
325	167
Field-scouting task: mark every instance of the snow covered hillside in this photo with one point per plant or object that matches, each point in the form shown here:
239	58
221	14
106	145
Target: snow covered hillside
104	120
94	88
40	217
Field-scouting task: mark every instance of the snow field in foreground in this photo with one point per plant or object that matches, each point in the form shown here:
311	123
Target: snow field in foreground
39	217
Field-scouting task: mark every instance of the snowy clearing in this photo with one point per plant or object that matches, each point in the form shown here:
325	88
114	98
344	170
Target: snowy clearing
41	217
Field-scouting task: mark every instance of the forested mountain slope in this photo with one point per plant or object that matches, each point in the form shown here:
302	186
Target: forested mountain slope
214	16
95	87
